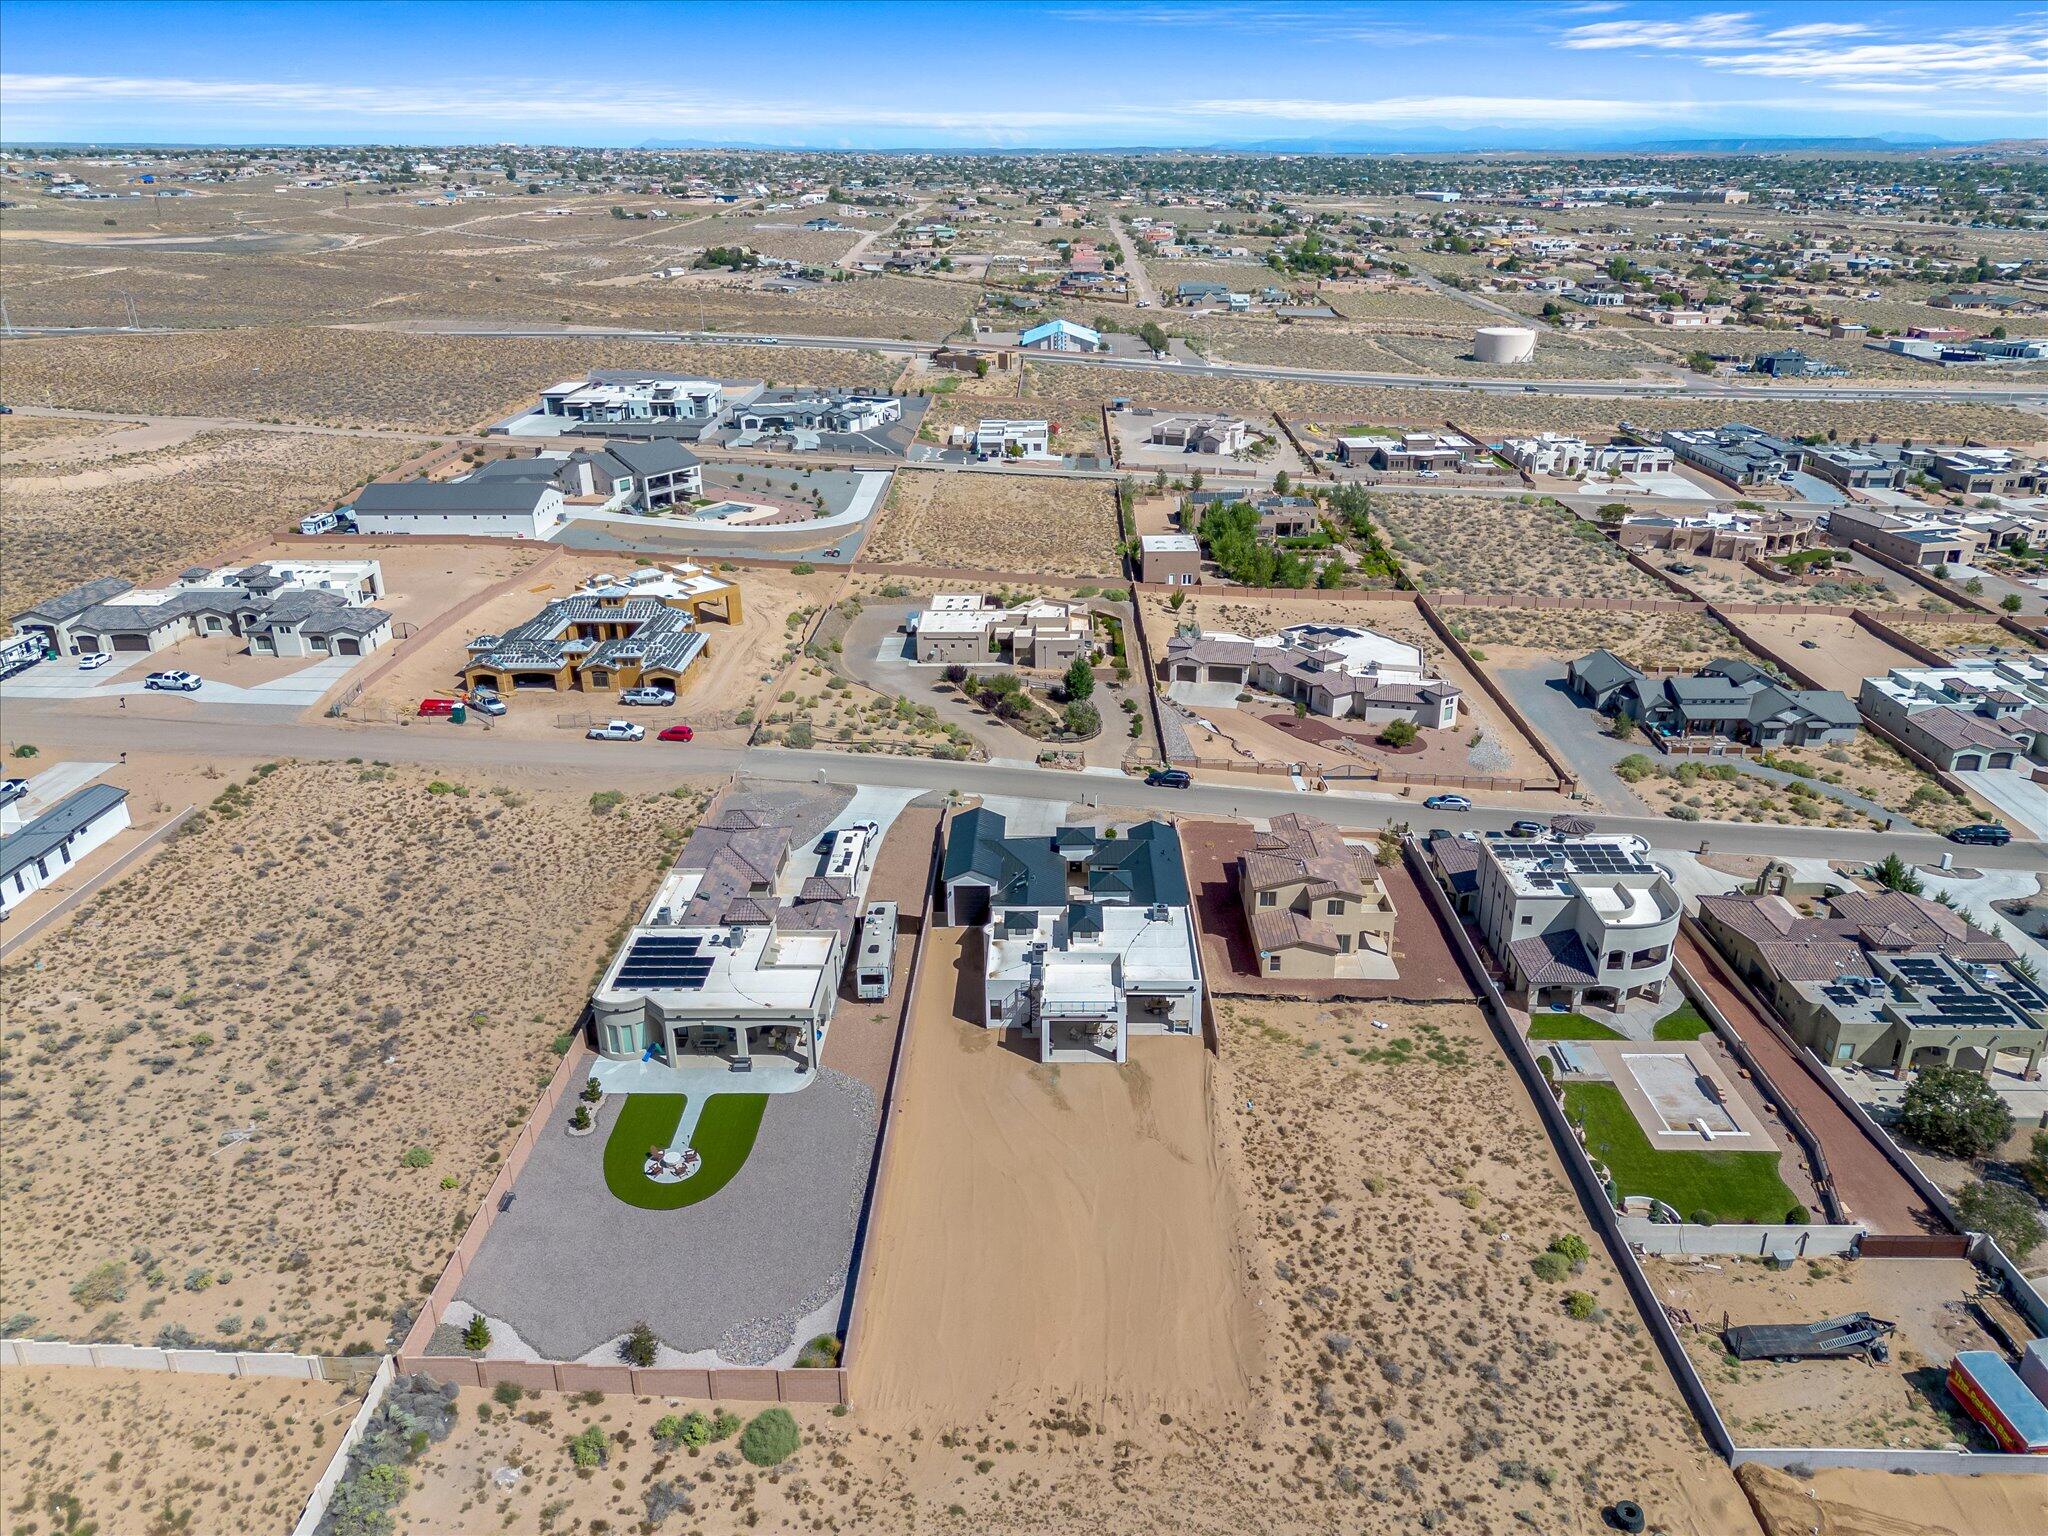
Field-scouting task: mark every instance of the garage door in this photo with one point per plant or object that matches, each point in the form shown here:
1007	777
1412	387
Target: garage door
347	647
970	905
131	642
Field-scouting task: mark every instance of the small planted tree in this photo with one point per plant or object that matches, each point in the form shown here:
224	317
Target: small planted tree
1399	733
640	1346
476	1334
1895	874
1079	681
2006	1214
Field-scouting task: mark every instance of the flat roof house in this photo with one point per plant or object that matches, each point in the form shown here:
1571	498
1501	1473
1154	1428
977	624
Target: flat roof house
1224	436
1280	517
477	507
1169	559
1737	454
1331	669
1575	920
997	437
1086	937
612	395
971	628
723	968
1919	541
1315	905
34	854
1412	453
1888	981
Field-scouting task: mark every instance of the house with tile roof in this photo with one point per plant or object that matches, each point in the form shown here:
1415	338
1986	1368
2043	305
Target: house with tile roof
1983	712
1885	980
1087	937
1315	904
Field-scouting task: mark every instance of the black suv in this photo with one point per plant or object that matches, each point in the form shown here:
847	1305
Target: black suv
1169	778
1987	833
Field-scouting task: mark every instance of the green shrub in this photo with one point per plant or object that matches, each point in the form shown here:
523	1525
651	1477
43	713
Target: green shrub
476	1335
606	801
725	1424
506	1395
1634	768
1580	1304
417	1157
1575	1248
1551	1265
102	1285
590	1448
820	1354
770	1439
640	1346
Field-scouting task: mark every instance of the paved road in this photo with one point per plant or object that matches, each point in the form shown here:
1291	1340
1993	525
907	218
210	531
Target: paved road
2034	396
614	764
1865	1181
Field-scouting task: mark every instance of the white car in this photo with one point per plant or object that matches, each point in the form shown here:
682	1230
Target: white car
92	661
486	703
616	730
649	695
172	682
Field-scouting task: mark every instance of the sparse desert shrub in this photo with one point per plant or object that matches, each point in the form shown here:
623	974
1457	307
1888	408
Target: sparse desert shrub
102	1285
725	1424
417	1157
589	1449
1580	1305
820	1353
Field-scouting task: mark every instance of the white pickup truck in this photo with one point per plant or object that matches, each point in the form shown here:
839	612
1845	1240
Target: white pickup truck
616	730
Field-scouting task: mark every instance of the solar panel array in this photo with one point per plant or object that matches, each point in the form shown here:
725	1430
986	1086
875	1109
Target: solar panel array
1945	1002
665	962
1601	859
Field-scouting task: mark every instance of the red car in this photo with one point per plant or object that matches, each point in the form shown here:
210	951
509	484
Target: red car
677	733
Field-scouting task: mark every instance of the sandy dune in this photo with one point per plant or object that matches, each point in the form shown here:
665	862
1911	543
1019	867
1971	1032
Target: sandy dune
1064	1230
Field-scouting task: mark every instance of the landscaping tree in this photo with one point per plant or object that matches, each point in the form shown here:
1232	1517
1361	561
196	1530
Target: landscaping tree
1398	732
1953	1110
1895	874
1080	679
476	1335
640	1347
2006	1214
2036	1166
1082	719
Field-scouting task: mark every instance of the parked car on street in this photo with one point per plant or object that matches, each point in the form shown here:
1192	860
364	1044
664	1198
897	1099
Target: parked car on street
172	682
676	733
1526	828
1169	778
616	730
649	695
1988	834
1447	803
92	661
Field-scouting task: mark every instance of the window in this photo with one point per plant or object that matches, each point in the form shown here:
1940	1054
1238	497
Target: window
1265	898
1336	908
1272	962
1523	922
1611	962
1343	943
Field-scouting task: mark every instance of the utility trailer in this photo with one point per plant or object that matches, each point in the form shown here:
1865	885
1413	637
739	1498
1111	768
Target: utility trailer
1832	1338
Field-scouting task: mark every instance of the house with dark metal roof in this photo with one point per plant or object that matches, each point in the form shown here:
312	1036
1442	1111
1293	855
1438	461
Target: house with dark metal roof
1730	698
281	607
505	507
41	850
1087	937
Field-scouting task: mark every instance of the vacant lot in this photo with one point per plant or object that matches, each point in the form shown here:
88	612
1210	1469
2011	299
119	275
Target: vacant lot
1008	523
1654	642
147	1451
1730	581
255	1088
151	513
1833	1402
1835	652
1505	544
369	378
1865	783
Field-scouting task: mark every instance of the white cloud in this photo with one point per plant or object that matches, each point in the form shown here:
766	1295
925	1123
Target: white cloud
1691	33
1534	110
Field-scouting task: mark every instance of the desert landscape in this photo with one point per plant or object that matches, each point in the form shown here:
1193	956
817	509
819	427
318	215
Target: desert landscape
1494	544
1016	524
303	999
149	1453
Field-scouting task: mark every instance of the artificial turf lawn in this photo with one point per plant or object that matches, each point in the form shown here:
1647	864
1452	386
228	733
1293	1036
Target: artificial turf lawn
1684	1022
1569	1026
723	1138
1732	1186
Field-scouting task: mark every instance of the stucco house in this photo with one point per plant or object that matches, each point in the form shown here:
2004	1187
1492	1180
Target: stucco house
1313	902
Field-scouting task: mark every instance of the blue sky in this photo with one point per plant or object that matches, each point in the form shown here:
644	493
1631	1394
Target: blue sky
1082	72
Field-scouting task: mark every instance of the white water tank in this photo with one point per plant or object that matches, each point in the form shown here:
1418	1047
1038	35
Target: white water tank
1504	344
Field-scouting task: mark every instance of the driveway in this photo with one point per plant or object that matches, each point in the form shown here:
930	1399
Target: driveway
2023	803
295	690
1577	732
